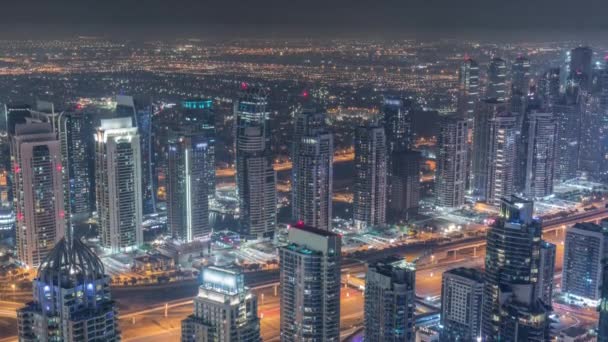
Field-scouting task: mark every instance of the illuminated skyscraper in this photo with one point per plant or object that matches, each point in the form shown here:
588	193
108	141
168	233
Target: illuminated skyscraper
37	191
501	157
452	156
511	309
141	114
255	176
468	88
468	102
397	120
369	203
497	80
488	110
75	150
118	184
7	216
199	114
312	172
390	300
585	247
539	145
72	300
310	285
461	300
187	198
224	310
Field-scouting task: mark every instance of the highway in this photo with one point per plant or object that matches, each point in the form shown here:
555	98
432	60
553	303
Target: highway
143	308
339	157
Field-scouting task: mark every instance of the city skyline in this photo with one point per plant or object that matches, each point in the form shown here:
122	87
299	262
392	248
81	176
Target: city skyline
289	189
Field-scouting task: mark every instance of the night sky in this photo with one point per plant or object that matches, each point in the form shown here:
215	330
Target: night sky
301	15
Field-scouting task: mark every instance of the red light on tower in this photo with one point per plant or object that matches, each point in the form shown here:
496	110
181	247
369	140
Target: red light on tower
59	167
19	216
17	169
305	94
62	214
300	224
243	86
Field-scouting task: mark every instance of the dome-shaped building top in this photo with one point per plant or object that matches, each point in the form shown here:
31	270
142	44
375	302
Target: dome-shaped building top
70	263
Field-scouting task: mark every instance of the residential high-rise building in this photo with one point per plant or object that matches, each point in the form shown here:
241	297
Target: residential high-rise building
585	247
539	163
225	310
544	286
72	299
141	114
468	102
186	179
501	157
520	74
520	89
591	157
255	177
488	110
461	302
396	117
468	88
390	300
568	117
37	191
452	156
118	184
397	121
75	144
497	80
310	285
405	184
548	87
312	172
199	114
369	203
511	270
602	329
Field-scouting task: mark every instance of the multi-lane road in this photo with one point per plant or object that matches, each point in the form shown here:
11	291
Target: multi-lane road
154	313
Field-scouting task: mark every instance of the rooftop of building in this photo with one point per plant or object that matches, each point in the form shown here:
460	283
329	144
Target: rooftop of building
70	263
391	263
469	273
300	225
589	226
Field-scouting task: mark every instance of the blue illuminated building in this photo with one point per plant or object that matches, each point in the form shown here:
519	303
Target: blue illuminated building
72	299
